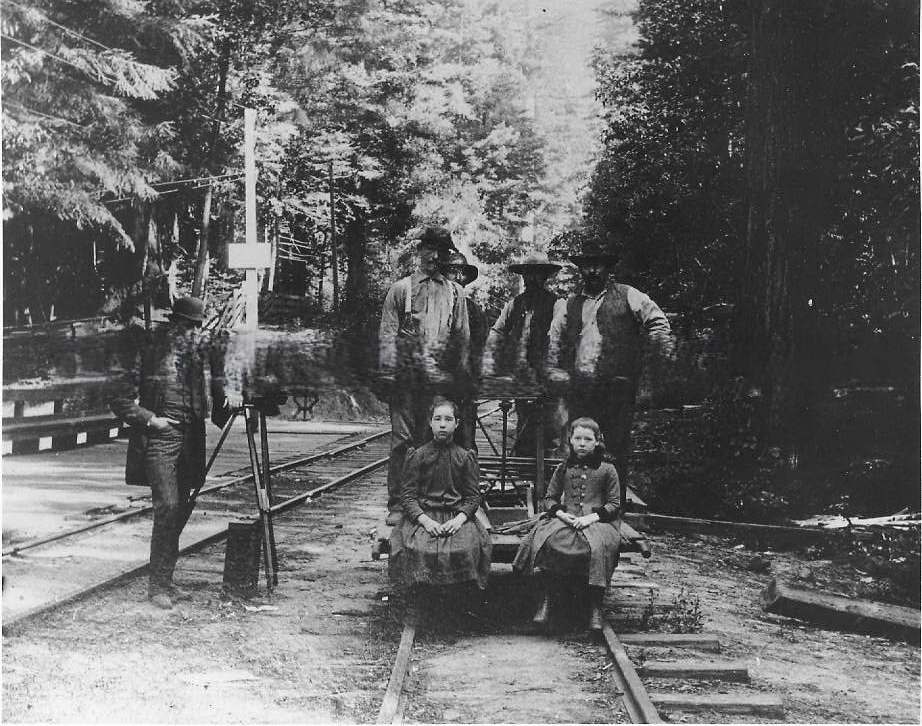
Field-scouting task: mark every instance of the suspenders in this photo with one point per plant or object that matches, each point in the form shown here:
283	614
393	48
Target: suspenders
408	303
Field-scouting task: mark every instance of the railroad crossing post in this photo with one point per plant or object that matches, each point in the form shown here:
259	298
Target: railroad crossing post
252	255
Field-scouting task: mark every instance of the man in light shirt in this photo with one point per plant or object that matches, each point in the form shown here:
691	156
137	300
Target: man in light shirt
424	349
517	348
595	350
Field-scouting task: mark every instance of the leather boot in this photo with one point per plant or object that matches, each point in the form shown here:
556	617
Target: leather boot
595	608
541	616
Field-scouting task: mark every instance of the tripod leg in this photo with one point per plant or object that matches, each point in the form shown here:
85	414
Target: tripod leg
214	455
262	501
267	484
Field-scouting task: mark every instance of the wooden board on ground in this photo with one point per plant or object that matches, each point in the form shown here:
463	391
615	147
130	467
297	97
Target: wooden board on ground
776	534
837	611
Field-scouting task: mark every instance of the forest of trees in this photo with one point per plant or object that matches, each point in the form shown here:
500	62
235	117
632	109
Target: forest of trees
758	167
761	161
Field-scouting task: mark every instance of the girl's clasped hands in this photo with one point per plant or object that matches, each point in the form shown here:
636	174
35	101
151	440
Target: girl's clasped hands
446	529
577	522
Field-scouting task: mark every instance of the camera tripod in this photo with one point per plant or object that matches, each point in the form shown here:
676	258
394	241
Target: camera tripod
255	419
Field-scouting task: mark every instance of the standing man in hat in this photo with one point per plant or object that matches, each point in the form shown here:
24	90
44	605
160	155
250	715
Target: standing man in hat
457	269
596	346
424	348
517	347
163	400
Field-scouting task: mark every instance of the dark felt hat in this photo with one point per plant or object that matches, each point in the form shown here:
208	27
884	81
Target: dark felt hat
594	252
436	238
456	259
190	308
535	262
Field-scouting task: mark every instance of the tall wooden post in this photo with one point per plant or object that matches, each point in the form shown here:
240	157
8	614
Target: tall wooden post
252	255
334	261
250	287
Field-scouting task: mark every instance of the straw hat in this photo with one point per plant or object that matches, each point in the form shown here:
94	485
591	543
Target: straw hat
535	262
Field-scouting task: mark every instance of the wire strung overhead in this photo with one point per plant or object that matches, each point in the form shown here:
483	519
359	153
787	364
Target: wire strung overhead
67	30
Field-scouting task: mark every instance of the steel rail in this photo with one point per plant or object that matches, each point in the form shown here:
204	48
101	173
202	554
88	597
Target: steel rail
287	504
140	569
294	463
391	711
634	696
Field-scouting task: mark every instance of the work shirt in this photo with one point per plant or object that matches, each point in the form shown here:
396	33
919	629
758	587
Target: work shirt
424	324
440	476
586	361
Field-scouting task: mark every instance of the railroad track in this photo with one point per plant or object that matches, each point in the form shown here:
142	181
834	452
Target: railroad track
46	574
649	672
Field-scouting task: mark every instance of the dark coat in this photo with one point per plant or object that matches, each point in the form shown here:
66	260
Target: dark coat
162	373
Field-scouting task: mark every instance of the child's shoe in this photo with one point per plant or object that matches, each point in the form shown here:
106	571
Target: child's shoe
596	621
541	617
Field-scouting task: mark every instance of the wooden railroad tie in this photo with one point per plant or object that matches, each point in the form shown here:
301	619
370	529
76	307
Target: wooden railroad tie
733	672
698	641
749	703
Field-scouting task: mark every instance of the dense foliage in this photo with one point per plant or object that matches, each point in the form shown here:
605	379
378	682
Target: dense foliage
411	112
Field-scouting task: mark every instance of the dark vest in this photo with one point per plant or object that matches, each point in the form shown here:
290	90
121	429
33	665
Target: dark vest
622	345
542	303
477	321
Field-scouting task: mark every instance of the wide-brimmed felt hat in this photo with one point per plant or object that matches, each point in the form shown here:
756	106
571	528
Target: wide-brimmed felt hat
535	262
457	259
190	308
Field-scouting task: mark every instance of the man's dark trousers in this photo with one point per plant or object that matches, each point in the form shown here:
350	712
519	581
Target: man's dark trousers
611	404
175	466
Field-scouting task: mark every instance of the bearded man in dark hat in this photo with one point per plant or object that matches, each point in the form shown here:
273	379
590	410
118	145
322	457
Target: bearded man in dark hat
163	400
517	347
424	349
457	269
595	349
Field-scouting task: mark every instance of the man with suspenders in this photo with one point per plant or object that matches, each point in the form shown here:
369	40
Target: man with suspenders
595	350
424	346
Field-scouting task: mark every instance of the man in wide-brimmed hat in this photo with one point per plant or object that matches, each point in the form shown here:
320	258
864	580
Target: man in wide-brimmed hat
457	269
517	346
424	341
164	402
595	349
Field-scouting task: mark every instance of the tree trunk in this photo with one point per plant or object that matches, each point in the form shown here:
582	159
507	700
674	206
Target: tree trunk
360	317
201	259
777	335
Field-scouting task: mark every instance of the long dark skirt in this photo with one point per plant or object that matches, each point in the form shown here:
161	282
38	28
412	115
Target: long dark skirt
558	549
419	558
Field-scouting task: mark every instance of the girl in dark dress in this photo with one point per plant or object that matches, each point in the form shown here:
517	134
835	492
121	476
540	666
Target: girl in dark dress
579	533
439	541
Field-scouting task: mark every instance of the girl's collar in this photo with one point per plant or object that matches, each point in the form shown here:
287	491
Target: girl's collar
593	461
